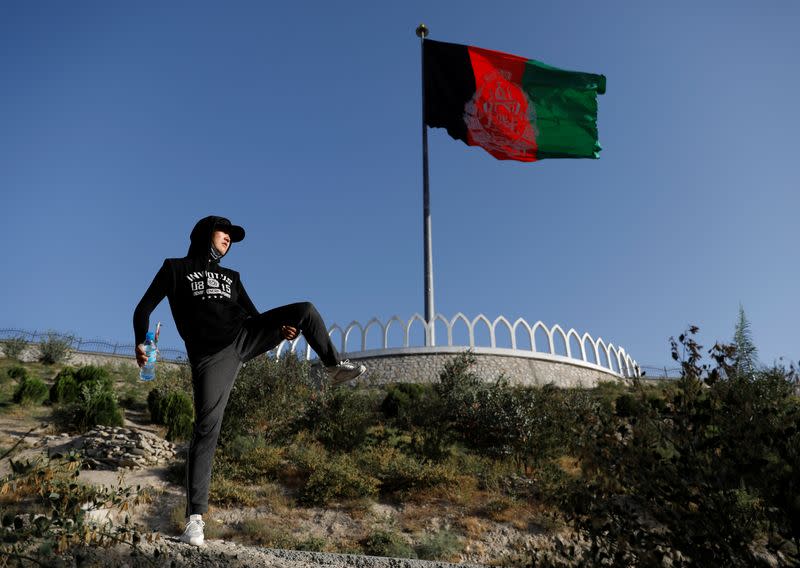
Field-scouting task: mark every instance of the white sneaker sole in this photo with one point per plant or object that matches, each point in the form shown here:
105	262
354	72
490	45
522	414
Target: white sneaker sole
338	380
194	541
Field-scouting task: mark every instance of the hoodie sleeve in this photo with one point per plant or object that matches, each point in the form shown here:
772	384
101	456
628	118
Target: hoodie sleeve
244	300
159	288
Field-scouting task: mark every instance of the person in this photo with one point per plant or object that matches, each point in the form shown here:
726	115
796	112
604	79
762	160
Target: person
222	330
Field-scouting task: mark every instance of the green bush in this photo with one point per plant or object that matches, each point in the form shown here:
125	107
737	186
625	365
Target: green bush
54	348
399	472
96	404
14	346
341	418
336	478
154	400
17	372
30	390
385	543
92	373
64	389
529	424
268	399
711	463
441	545
402	400
177	411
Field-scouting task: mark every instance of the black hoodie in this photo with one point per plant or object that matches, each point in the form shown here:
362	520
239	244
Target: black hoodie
208	302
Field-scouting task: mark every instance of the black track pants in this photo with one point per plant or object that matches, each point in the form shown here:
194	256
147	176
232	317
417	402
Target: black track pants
213	377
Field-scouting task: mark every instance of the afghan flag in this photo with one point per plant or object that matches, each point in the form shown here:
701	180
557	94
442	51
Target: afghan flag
512	107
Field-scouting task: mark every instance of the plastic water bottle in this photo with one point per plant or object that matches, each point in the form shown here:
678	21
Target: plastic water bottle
148	372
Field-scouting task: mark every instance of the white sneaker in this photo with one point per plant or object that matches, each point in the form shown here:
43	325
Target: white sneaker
344	371
193	533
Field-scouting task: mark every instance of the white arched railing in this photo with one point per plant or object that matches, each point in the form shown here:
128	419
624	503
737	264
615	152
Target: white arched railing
580	349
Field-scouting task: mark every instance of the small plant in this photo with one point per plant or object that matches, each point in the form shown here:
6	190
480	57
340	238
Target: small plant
30	391
341	420
54	348
442	545
154	400
177	411
336	478
14	346
268	398
96	404
92	373
385	543
65	387
17	372
46	511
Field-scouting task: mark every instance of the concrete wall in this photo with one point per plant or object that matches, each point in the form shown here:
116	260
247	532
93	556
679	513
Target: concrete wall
425	364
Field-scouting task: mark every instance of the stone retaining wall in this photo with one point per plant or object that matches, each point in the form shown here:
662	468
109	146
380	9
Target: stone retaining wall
423	365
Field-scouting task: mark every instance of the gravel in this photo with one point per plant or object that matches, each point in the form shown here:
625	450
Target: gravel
171	553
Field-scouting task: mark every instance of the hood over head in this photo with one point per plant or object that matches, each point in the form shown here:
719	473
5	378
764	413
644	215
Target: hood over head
200	238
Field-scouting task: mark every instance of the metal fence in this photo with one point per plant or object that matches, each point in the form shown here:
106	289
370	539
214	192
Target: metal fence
87	345
650	372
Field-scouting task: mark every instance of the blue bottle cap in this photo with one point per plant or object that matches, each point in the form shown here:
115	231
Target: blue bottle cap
150	336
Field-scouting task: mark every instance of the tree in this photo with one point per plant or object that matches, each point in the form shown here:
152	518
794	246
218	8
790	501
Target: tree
746	358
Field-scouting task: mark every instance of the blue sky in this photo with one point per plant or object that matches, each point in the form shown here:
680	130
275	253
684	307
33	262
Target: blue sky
122	123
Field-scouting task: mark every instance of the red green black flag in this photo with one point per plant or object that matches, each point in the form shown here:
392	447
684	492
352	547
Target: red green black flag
512	107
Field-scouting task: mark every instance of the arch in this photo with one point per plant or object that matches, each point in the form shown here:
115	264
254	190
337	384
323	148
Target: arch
282	346
441	330
574	346
523	340
396	341
482	336
613	358
602	351
503	333
415	335
460	338
335	329
348	340
542	340
560	345
591	352
377	337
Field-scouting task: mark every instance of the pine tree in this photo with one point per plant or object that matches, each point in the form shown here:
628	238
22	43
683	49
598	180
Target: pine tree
746	359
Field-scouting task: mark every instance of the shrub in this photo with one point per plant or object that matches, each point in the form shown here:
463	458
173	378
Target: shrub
268	398
397	471
178	413
96	404
30	390
248	459
442	545
341	418
54	348
529	424
14	346
401	401
712	466
385	543
92	373
17	372
336	478
154	399
64	389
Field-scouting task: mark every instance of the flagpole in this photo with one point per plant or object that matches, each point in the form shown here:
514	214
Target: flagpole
430	339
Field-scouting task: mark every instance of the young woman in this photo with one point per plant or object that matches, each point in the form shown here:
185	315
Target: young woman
222	329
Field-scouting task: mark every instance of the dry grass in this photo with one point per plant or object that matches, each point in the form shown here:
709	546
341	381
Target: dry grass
473	527
570	465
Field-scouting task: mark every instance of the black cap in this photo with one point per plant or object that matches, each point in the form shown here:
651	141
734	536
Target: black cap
235	231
